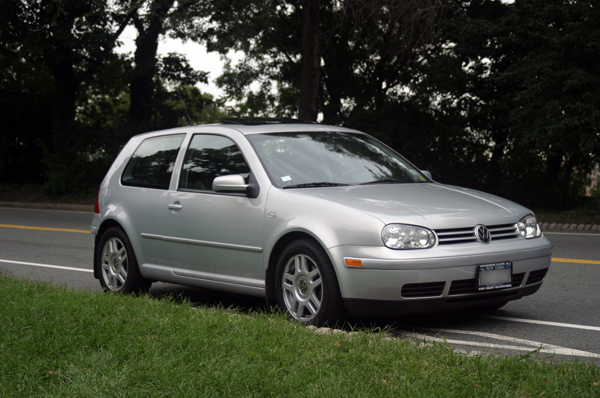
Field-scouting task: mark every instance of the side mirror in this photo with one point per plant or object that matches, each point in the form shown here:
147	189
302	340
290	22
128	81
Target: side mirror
427	173
233	183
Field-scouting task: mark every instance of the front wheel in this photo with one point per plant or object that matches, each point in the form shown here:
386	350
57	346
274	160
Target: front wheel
119	271
306	284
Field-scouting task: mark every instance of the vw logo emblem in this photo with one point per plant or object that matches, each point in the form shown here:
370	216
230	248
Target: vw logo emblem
482	234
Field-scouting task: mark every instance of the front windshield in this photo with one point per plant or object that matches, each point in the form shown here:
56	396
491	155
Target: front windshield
305	159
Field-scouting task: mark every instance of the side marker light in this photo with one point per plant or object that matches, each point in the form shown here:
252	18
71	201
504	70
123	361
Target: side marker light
353	262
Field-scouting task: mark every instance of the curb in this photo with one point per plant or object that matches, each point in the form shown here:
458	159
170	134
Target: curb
570	227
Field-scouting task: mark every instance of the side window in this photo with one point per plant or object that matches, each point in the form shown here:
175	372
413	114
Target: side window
210	156
152	162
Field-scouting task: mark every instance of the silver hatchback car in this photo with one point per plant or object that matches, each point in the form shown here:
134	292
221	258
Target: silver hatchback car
325	220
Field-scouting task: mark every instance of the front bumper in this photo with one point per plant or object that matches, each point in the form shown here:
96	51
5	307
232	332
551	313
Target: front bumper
394	282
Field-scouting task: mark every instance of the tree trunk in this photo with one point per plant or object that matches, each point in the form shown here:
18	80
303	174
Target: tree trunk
141	107
553	166
311	61
565	181
492	182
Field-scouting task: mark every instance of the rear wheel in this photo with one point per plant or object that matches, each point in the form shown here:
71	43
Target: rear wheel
306	284
119	271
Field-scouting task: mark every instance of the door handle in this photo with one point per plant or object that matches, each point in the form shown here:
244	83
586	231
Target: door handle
175	206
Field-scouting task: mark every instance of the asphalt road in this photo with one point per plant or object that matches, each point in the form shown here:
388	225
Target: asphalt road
561	321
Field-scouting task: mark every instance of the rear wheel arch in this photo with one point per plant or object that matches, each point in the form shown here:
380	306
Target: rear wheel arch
116	264
105	226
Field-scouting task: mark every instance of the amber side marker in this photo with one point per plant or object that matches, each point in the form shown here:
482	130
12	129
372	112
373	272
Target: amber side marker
352	262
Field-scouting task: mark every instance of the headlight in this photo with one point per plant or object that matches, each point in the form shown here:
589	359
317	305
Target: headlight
529	227
399	236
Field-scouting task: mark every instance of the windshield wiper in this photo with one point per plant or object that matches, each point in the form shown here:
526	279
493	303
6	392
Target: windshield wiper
387	181
316	185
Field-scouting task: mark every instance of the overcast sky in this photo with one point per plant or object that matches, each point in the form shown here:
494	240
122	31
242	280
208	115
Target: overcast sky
196	54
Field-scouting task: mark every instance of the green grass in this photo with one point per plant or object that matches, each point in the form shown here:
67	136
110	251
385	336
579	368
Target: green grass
62	343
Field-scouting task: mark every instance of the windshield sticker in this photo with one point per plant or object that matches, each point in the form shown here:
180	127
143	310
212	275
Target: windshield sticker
286	178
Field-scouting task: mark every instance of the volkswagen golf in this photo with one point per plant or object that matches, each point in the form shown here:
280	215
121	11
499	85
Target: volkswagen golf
325	221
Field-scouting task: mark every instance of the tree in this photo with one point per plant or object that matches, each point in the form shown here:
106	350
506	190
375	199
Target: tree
68	41
66	105
325	53
153	20
524	76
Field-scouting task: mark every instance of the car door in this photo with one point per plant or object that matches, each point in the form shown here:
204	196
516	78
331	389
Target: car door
144	186
212	235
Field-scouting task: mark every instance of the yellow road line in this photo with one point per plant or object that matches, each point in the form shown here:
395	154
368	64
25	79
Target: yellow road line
83	231
569	260
80	231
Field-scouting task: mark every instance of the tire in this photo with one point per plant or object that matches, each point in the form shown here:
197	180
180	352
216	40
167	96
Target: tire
119	271
306	286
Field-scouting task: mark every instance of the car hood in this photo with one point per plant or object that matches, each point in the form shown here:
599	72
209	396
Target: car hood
431	205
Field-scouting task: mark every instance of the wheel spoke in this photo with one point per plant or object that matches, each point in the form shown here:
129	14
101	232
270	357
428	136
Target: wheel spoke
314	284
288	287
112	247
122	275
122	255
288	280
313	305
113	281
293	303
300	264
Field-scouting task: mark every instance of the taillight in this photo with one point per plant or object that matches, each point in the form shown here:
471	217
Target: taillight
97	205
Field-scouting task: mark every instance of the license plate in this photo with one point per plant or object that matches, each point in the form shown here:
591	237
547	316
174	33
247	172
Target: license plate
495	276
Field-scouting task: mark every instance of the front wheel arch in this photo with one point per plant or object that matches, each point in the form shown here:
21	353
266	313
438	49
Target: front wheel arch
306	286
278	248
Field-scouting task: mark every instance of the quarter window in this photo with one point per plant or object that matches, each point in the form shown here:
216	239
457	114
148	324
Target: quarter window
152	163
210	156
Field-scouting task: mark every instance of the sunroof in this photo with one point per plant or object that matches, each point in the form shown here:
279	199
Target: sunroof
252	121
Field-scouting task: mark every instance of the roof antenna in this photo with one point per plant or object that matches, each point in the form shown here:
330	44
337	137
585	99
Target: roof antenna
184	107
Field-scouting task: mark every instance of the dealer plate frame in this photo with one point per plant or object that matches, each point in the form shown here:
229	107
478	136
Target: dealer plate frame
494	276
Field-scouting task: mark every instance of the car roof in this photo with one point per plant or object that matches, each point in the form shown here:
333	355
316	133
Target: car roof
255	127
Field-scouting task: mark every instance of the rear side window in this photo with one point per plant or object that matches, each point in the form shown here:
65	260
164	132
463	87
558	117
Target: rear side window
210	156
152	162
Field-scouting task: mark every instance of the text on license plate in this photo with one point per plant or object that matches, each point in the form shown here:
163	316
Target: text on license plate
495	276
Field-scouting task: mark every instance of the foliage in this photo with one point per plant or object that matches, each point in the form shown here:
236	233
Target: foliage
66	94
523	77
500	96
365	46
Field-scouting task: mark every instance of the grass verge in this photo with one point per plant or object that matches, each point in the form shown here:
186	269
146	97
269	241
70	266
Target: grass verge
58	342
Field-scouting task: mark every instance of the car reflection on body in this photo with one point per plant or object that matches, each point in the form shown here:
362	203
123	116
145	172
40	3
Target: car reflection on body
327	221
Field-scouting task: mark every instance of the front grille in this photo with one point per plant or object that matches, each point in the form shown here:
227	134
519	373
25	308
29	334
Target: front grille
431	289
466	286
536	276
467	235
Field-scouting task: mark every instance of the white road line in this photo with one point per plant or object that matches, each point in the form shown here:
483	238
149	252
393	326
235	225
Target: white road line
543	348
46	266
546	323
526	345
